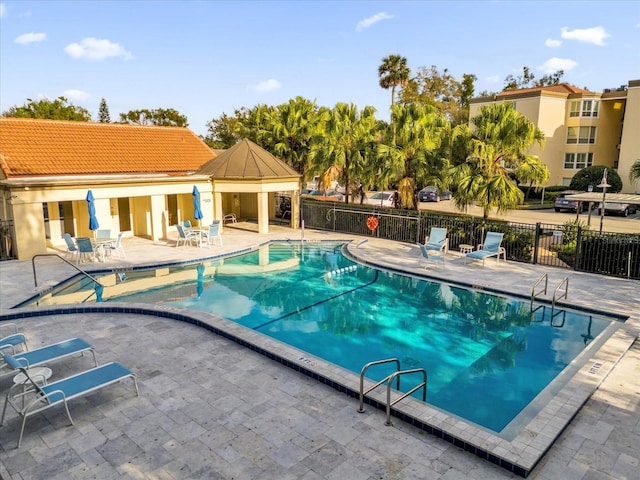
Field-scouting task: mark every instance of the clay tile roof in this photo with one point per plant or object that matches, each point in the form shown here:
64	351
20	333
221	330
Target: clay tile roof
560	88
33	147
249	161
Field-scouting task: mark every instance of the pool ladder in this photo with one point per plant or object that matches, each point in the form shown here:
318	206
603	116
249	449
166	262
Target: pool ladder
557	295
389	380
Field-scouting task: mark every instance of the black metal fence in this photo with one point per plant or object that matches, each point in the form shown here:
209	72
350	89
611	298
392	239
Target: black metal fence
566	246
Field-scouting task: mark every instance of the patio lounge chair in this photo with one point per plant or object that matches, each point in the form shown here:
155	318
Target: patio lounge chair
103	233
112	249
10	342
214	233
186	224
40	396
184	236
229	218
490	248
430	256
72	250
437	240
47	354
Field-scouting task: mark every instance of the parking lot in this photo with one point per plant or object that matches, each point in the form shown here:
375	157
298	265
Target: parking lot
611	223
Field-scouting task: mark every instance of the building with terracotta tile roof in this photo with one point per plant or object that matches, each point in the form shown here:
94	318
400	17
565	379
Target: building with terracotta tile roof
141	177
581	128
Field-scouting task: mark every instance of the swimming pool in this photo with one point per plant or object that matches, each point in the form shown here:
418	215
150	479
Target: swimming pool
487	356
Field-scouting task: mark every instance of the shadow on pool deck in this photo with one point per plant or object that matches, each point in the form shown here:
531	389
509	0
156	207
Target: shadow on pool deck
211	407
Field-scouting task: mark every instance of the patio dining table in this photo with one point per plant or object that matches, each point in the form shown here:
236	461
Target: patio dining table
99	245
200	233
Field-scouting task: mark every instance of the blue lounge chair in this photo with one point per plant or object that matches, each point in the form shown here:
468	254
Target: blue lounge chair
430	256
46	354
85	250
10	342
40	396
490	248
72	250
437	240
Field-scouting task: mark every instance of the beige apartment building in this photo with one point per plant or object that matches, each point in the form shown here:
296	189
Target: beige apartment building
581	128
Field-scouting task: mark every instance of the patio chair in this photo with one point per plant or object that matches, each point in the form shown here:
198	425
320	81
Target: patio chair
184	236
186	224
49	353
72	250
437	240
85	250
214	233
10	342
427	256
112	249
229	218
103	233
491	247
40	396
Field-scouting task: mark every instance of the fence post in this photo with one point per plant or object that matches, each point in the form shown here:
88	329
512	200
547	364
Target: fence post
578	260
535	243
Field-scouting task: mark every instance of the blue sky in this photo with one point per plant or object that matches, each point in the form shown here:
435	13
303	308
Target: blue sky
205	58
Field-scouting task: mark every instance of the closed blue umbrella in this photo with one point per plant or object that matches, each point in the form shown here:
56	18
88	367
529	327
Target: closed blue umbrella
200	283
93	221
197	212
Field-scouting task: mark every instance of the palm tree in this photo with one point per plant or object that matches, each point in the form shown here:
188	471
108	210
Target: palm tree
345	139
411	156
634	173
393	73
495	146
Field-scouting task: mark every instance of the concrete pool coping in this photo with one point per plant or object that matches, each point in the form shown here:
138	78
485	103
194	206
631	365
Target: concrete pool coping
519	455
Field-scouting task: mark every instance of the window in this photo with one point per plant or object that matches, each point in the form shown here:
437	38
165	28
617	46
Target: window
578	160
586	108
574	109
582	135
590	108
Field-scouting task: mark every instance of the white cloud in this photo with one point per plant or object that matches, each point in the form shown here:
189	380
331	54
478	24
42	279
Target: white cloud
75	95
554	64
595	35
551	43
267	85
96	49
3	10
369	21
27	38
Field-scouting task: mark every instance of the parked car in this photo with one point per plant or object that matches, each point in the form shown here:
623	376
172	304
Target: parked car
616	208
384	199
333	194
563	203
433	194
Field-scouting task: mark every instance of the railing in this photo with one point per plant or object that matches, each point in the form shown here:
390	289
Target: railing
566	246
544	277
99	286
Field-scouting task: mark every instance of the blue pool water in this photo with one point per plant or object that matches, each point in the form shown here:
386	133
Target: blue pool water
487	356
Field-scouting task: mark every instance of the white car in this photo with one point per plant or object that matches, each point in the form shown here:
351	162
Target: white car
380	199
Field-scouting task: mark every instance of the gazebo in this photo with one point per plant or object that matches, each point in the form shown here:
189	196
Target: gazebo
245	179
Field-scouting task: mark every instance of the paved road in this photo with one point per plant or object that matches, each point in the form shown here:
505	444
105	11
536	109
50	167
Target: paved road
630	224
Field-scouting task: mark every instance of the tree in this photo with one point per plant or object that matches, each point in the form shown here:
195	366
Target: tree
634	173
593	176
393	73
412	156
160	117
103	112
442	90
58	109
496	145
526	80
343	145
222	132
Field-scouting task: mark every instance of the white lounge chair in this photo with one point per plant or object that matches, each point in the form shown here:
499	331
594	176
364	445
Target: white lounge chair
437	240
184	236
491	247
229	218
427	256
40	396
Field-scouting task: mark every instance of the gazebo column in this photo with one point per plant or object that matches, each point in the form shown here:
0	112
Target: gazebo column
295	209
157	217
263	212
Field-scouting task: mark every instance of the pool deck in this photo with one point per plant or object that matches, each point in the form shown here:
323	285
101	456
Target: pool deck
211	408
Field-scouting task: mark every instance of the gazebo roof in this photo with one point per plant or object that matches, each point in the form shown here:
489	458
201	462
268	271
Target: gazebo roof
246	160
